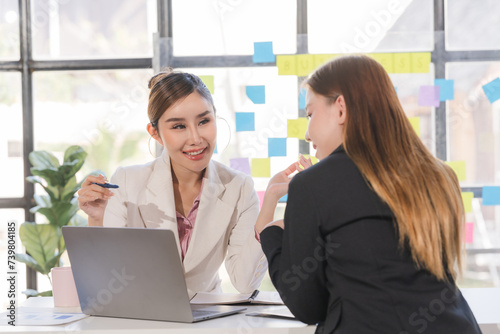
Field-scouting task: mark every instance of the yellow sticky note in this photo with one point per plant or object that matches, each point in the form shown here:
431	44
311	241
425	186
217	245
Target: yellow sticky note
415	123
385	59
322	59
287	64
467	199
402	63
313	158
296	128
459	168
208	80
305	65
261	167
420	62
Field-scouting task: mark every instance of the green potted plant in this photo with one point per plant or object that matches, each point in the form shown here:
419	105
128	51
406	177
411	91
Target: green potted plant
44	242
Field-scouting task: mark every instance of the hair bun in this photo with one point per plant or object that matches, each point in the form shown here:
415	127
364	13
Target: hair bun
165	72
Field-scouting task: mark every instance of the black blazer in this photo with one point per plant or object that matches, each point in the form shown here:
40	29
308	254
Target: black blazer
337	262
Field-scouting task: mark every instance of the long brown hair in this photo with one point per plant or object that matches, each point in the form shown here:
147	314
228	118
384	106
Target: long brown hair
422	191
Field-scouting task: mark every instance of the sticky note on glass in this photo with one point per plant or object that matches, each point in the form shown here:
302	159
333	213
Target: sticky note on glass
420	62
467	200
208	80
215	151
312	157
276	147
241	164
261	194
261	167
446	89
459	168
263	52
415	123
428	96
385	59
283	199
296	128
402	63
302	98
491	195
469	233
492	90
287	64
257	94
245	121
322	59
305	65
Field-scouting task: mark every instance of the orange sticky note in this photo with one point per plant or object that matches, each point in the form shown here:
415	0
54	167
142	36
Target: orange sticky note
467	200
469	233
287	64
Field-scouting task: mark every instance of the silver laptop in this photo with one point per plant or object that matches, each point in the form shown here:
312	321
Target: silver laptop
133	273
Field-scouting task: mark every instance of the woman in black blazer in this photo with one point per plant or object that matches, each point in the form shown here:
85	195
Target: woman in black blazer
373	232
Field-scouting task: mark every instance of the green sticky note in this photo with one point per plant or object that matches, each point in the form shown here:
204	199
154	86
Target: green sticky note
467	200
305	65
261	167
385	59
312	157
287	65
208	80
415	123
402	63
459	168
420	62
296	128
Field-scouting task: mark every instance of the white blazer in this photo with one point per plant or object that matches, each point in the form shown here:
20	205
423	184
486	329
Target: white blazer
224	227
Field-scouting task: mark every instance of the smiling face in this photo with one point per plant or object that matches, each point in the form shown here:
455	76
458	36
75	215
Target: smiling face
326	122
188	132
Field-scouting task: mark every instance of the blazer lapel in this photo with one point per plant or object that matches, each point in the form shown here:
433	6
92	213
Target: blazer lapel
157	207
212	219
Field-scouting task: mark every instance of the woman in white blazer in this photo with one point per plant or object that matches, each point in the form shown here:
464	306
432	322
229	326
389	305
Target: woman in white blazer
211	208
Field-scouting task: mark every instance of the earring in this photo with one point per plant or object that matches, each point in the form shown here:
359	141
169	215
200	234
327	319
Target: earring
149	147
229	128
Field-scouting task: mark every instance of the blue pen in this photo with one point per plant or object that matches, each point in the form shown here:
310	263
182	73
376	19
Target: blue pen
106	185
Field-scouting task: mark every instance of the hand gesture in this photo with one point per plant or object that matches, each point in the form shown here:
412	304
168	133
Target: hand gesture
92	199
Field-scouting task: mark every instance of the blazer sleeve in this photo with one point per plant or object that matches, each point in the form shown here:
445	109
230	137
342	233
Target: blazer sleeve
296	255
116	212
245	261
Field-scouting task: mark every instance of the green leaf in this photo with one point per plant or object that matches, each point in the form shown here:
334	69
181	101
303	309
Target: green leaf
51	175
29	261
70	189
43	160
74	157
50	190
41	242
60	213
78	220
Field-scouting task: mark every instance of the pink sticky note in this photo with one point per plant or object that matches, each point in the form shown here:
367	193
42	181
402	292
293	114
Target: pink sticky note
428	96
469	233
261	196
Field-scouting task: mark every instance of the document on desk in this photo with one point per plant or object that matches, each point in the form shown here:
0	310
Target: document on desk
281	312
31	316
256	297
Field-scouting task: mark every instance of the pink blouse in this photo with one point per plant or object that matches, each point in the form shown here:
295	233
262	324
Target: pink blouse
185	225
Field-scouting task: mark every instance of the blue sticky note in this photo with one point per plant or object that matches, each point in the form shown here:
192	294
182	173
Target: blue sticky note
257	94
245	121
428	96
302	98
492	90
491	195
446	89
276	147
215	151
283	199
263	52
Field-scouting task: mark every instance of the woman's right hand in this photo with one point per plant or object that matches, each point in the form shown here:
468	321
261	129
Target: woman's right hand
92	199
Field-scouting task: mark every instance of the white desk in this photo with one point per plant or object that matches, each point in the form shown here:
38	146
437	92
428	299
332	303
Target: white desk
485	303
